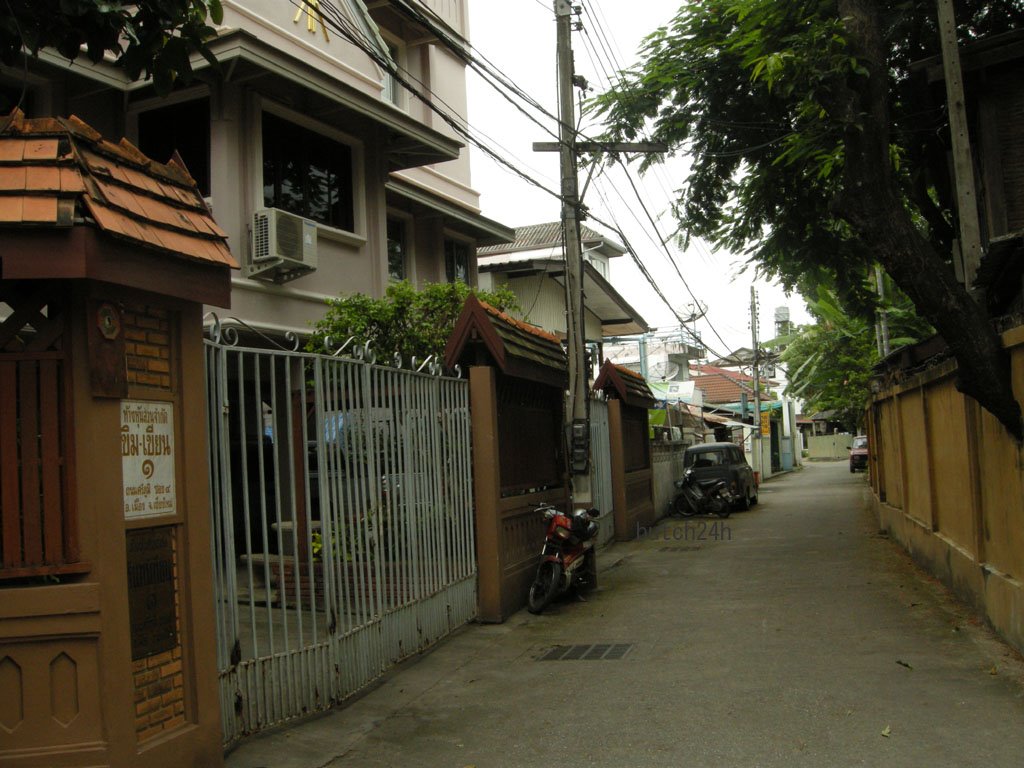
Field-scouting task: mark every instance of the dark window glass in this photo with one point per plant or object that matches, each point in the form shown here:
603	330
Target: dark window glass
183	128
456	261
307	174
396	249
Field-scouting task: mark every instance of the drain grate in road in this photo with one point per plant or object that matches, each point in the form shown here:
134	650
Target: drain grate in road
594	652
679	549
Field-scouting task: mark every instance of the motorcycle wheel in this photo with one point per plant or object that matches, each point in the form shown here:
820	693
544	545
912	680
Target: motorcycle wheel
681	508
544	587
719	506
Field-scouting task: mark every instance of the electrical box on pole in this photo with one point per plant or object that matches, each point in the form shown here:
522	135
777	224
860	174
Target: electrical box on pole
577	416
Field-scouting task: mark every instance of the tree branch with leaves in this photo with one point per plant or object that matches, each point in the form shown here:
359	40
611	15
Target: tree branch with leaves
815	151
147	39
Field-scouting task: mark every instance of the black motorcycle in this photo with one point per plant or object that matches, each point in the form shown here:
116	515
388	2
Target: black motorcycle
702	497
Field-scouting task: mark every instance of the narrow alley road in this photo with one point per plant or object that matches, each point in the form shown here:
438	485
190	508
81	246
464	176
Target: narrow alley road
793	634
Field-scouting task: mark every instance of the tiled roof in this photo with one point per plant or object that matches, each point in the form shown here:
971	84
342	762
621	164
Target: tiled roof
518	349
521	325
728	373
56	172
624	383
547	235
708	370
718	388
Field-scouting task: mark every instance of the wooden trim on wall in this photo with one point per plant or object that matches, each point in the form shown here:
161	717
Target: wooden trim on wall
483	400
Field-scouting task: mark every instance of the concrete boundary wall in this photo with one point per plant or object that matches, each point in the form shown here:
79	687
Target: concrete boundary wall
667	460
829	446
948	484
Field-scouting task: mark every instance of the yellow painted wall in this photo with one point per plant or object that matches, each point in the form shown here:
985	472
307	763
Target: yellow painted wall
949	486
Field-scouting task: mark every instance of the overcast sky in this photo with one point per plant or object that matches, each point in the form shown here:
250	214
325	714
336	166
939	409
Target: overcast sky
518	37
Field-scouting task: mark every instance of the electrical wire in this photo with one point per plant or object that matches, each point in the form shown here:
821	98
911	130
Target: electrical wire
341	25
24	76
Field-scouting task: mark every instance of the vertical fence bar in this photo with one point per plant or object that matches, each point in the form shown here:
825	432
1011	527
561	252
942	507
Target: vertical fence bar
393	570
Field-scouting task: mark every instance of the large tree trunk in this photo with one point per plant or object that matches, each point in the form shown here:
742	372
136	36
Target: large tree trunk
872	203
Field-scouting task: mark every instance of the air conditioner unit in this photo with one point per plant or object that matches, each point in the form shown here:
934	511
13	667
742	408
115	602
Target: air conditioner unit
282	246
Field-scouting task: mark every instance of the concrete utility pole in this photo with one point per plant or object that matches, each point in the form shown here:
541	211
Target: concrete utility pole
755	436
578	405
577	409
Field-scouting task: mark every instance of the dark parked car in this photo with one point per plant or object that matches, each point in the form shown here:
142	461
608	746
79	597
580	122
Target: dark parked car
859	453
723	461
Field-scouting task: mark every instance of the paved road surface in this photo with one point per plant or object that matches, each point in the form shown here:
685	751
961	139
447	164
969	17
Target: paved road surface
790	635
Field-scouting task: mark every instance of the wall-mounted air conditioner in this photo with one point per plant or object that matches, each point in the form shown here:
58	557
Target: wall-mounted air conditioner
282	246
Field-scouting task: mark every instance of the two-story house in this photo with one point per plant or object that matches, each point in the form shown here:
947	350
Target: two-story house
532	265
328	174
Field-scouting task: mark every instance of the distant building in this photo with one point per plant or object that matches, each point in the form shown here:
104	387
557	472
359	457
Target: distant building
532	265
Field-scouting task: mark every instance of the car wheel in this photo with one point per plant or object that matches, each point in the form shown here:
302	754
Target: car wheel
852	469
744	503
753	499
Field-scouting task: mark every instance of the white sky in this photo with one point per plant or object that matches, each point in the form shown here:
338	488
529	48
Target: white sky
518	37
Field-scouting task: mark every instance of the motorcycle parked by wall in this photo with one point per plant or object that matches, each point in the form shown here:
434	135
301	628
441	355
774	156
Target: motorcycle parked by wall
702	497
567	557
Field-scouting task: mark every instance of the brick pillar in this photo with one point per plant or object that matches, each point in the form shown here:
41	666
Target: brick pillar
618	457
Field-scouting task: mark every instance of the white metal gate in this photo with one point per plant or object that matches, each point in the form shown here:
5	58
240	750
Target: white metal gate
342	519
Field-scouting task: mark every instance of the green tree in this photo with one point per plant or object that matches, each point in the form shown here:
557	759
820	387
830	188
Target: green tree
406	321
815	151
152	38
829	363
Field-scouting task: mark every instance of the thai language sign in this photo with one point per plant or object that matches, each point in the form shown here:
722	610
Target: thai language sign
147	458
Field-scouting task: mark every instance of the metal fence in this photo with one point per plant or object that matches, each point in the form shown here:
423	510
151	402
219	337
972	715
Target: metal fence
343	530
601	470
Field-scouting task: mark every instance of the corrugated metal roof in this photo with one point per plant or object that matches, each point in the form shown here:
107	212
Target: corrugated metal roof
57	172
548	235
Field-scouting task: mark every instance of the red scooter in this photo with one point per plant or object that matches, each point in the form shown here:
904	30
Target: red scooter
567	558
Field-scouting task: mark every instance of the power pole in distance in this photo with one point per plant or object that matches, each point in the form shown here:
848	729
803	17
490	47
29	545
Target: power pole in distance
577	411
755	436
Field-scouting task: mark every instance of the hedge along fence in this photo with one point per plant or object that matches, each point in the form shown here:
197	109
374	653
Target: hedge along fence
948	483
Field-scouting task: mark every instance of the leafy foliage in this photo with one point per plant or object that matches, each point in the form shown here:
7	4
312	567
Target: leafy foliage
816	150
829	363
153	38
405	321
753	91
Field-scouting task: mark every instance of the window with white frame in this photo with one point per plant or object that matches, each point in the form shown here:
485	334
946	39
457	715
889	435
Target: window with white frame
392	90
307	173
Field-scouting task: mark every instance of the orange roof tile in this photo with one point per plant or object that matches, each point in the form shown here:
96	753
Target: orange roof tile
40	149
42	210
12	178
44	178
12	150
62	162
520	324
10	208
71	180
